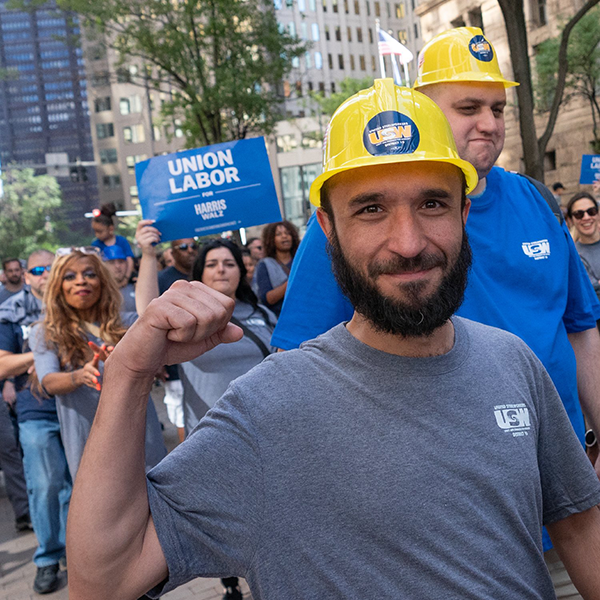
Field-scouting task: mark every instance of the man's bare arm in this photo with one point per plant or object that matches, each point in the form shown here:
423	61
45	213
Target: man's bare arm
146	288
112	544
586	345
12	365
577	541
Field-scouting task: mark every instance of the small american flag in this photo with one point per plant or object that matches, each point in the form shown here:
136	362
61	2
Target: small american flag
389	45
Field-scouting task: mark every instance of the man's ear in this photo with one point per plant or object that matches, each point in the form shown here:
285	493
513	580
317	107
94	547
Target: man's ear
324	221
465	210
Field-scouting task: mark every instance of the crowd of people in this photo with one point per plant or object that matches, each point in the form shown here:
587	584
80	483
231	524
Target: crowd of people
60	317
423	433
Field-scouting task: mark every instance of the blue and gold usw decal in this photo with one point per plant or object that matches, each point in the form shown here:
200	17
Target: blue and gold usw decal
481	49
391	132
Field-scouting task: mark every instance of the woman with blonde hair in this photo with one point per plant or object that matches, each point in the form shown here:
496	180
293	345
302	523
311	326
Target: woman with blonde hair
81	324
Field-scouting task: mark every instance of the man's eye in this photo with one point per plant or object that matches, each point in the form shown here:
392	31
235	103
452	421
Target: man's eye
432	204
371	209
467	109
498	111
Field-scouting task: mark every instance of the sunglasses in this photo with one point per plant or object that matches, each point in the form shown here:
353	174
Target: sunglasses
37	271
82	249
579	214
192	246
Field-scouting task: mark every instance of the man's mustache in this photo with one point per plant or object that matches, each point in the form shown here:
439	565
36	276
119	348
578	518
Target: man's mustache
400	264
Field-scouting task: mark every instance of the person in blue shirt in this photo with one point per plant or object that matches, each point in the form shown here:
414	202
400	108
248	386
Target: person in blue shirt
103	225
526	277
46	471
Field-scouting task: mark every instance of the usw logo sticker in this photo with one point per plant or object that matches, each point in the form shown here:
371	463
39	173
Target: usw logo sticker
513	418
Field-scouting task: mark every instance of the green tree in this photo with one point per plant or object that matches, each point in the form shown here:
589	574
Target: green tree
348	87
534	148
29	212
224	58
583	76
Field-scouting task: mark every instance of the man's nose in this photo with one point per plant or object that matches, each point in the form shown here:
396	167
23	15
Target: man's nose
406	236
487	122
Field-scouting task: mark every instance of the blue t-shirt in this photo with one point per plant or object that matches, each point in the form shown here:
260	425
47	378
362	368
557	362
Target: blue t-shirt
120	241
526	278
14	339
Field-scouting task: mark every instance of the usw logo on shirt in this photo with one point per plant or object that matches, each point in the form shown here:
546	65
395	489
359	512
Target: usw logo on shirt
513	418
536	250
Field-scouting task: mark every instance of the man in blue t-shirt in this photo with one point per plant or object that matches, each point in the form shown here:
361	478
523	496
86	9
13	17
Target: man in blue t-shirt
46	472
526	276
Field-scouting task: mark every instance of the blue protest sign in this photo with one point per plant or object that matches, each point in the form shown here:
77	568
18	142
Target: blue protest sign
590	168
208	190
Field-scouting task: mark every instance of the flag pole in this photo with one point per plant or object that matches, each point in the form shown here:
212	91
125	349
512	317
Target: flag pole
396	70
381	61
406	75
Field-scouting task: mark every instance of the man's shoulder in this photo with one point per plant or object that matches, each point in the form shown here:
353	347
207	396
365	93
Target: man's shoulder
495	343
20	308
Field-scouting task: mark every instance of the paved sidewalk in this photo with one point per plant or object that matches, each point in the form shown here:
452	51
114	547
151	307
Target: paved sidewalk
17	571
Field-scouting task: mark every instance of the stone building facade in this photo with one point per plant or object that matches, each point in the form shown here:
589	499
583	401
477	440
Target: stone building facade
571	138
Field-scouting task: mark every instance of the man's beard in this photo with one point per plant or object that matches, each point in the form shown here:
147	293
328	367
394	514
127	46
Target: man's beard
415	317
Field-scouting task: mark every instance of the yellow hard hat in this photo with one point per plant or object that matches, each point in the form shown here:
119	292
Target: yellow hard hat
461	54
387	124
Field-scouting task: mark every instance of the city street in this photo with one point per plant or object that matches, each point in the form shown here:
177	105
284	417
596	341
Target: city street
17	570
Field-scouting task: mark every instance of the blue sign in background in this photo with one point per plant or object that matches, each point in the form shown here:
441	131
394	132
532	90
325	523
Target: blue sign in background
590	168
208	190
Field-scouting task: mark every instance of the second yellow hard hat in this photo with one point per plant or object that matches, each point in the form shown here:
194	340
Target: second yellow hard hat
388	124
457	55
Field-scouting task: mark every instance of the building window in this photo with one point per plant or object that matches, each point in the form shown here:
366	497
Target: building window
356	7
330	61
324	5
100	80
315	32
322	87
111	182
286	143
108	156
359	37
134	134
132	160
313	5
346	7
540	12
307	60
133	191
130	105
399	7
373	64
333	87
368	9
377	9
370	36
318	60
292	28
295	62
550	160
476	18
327	35
156	133
100	104
352	65
338	34
389	10
295	186
301	5
334	5
349	34
416	29
458	22
105	130
361	62
402	36
341	61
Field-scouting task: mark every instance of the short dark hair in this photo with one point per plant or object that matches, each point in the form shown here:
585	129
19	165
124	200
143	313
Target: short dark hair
107	214
244	291
557	186
9	260
268	238
580	196
251	241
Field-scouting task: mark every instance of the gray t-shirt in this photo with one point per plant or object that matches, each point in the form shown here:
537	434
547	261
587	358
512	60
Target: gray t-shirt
206	378
128	293
342	472
76	411
591	255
